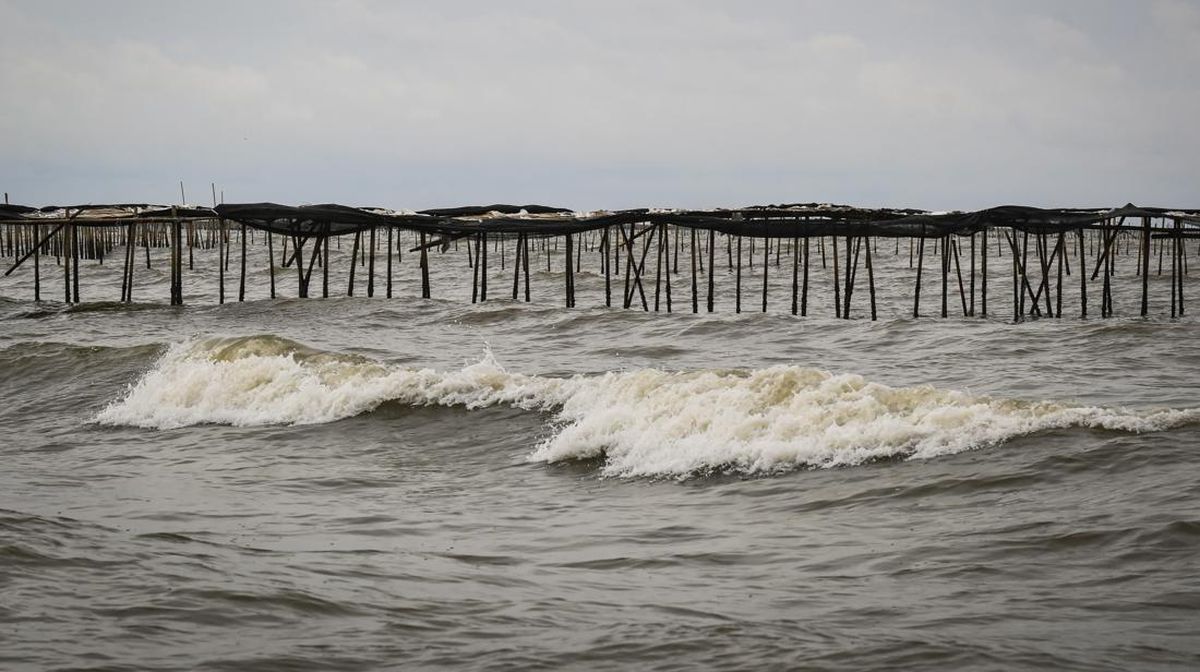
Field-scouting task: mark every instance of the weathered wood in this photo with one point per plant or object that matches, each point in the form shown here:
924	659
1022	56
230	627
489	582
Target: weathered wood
766	263
795	275
389	261
354	261
242	277
695	288
370	251
871	280
804	287
737	301
837	290
920	266
711	265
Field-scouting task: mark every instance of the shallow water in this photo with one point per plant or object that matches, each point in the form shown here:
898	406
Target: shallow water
354	484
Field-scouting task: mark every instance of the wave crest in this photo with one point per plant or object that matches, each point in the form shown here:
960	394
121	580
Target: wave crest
644	422
264	380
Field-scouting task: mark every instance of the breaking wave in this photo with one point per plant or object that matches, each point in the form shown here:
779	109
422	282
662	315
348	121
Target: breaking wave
644	422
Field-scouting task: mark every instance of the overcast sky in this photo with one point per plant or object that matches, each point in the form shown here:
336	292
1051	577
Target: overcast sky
603	103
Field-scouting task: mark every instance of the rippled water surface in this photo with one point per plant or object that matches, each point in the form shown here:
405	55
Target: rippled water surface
360	484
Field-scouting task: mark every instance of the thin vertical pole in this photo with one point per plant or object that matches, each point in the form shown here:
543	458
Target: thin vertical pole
482	260
837	290
852	247
695	288
65	245
608	251
871	280
766	263
659	253
795	274
711	247
1145	259
475	267
971	311
517	266
324	243
945	274
242	279
666	235
920	266
804	287
1082	275
1060	250
221	252
354	262
1181	246
371	264
569	262
525	261
738	293
37	263
271	259
75	262
1174	268
983	256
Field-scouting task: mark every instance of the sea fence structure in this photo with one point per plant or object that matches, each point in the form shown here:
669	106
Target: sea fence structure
1038	254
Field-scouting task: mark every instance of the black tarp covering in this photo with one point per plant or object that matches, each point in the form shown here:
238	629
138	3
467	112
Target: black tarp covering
304	220
15	211
825	222
770	221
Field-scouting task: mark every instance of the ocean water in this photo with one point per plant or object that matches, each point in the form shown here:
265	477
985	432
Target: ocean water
371	483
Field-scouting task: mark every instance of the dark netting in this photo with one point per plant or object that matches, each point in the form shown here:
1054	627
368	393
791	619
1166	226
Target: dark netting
305	220
15	211
762	221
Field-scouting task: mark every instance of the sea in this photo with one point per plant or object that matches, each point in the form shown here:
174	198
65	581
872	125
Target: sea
373	483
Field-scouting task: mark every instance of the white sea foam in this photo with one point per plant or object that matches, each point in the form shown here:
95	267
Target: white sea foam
645	422
264	380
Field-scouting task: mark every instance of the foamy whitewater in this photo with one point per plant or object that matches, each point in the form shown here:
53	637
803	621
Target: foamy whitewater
643	423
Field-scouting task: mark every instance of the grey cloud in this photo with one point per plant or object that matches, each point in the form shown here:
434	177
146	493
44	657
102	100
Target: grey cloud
929	103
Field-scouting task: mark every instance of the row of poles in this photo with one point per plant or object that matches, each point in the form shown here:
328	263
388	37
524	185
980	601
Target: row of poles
1038	260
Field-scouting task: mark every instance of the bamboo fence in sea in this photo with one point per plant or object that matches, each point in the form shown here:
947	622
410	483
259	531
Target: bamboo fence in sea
1040	245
